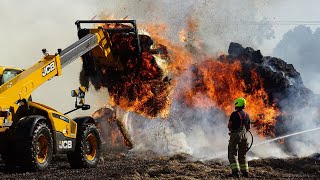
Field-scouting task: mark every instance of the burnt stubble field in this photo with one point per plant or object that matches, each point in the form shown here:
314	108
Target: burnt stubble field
148	165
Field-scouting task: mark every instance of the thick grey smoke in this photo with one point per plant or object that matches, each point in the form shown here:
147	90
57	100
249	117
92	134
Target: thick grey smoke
304	119
218	22
300	46
197	132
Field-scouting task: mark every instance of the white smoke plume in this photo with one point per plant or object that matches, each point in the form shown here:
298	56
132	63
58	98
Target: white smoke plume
219	22
304	119
300	47
196	132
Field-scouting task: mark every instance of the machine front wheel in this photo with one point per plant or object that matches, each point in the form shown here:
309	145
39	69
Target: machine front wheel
37	152
88	148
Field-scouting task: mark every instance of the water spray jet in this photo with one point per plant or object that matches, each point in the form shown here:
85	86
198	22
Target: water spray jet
285	136
221	154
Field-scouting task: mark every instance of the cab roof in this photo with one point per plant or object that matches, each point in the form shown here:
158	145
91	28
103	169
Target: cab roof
2	68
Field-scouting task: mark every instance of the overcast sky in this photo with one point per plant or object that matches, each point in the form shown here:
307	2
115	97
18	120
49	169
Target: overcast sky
29	26
288	10
296	45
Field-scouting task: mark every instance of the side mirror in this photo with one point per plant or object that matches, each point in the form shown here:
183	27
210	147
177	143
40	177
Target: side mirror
73	93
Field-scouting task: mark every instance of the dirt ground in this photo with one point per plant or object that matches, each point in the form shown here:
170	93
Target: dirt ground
148	165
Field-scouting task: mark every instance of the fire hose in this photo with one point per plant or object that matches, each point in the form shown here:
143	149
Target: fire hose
251	141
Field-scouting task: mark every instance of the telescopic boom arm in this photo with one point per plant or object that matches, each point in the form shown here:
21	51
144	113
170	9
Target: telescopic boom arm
96	40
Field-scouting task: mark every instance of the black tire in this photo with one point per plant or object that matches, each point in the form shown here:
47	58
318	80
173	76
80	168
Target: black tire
36	153
88	147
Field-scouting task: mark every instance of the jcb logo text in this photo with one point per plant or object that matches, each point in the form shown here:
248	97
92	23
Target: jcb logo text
65	144
49	68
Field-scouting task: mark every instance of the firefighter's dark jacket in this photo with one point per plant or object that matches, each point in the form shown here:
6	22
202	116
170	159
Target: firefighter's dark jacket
237	123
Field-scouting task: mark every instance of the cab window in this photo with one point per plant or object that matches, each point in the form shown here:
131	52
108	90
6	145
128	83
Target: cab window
8	74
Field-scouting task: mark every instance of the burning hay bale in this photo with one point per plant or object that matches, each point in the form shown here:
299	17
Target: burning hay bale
268	84
136	81
280	80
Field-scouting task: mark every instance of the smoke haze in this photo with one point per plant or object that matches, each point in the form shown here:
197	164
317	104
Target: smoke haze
219	22
300	47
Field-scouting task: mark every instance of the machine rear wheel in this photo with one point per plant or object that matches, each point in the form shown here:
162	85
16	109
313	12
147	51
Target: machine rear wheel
88	148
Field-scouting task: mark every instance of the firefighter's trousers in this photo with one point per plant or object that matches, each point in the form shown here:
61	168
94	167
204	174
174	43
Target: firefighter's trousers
238	146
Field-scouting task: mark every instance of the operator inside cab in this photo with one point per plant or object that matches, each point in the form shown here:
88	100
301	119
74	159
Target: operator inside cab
238	125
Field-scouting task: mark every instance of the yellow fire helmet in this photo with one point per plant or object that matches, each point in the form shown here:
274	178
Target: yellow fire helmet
240	102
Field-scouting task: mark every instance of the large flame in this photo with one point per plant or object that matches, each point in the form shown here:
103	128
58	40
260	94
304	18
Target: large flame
216	84
212	84
136	81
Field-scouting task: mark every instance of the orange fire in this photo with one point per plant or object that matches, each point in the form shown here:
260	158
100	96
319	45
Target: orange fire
215	83
136	80
218	83
180	59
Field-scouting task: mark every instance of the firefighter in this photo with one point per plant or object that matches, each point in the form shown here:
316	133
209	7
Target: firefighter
238	125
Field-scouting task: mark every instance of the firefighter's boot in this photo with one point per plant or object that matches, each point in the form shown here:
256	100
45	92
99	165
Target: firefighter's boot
235	174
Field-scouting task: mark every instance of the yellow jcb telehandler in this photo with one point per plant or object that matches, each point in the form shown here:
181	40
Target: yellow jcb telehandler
31	132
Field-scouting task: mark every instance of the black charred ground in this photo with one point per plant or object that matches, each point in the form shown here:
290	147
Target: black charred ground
148	165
